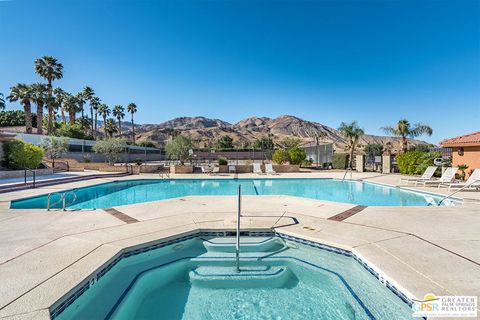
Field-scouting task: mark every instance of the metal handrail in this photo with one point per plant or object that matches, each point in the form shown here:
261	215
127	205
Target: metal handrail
237	247
63	199
456	191
33	175
49	196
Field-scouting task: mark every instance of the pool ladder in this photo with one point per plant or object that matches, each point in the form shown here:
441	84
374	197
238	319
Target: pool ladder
237	246
63	199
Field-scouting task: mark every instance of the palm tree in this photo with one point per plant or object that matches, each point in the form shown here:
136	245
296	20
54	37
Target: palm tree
110	128
132	108
60	96
105	112
85	123
50	69
2	102
94	104
39	95
403	129
23	93
71	105
89	94
352	132
81	101
119	113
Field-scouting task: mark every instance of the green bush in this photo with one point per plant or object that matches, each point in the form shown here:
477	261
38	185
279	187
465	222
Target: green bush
22	155
408	162
222	161
71	131
280	156
86	159
110	148
138	161
297	155
178	148
340	160
426	160
15	118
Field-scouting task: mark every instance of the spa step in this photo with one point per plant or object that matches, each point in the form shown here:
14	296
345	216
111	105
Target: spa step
248	277
228	244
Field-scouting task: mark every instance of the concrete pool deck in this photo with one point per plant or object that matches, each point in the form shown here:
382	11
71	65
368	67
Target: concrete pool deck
44	255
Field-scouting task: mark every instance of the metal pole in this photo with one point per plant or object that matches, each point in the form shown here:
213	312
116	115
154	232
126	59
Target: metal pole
237	248
25	176
33	179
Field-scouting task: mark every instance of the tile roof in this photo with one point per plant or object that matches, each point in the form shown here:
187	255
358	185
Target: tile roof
468	139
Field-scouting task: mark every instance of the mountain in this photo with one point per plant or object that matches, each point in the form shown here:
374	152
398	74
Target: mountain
205	131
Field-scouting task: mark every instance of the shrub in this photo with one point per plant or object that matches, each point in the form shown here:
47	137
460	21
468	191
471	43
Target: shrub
340	160
264	143
71	131
426	160
148	144
280	156
296	155
54	147
110	148
222	161
178	148
408	162
22	155
224	142
138	161
15	118
86	159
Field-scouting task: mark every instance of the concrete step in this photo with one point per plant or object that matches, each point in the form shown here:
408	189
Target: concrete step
247	244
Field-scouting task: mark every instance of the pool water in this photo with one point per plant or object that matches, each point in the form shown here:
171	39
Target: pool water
136	191
196	279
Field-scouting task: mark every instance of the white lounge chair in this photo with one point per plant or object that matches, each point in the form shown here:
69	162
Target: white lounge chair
257	168
206	169
447	177
427	175
232	169
215	170
269	169
473	182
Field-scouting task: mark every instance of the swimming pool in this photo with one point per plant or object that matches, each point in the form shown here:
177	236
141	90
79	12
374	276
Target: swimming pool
119	193
194	278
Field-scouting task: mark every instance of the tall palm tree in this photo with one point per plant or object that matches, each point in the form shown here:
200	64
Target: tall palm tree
404	129
72	106
39	96
110	128
81	101
23	93
132	108
119	113
85	123
352	132
104	111
60	96
50	69
2	102
94	104
88	94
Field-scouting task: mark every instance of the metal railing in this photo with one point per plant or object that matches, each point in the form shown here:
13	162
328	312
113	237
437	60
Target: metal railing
237	247
63	199
33	177
457	191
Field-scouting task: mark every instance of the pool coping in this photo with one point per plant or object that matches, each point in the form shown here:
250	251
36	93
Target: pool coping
60	305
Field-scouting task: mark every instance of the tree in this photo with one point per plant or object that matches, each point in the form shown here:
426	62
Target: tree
224	142
290	142
110	148
373	149
110	128
104	111
72	106
404	129
296	155
352	132
50	69
2	102
54	147
119	113
95	104
462	168
264	143
89	94
132	108
23	93
39	96
60	97
22	155
80	97
280	156
85	123
178	148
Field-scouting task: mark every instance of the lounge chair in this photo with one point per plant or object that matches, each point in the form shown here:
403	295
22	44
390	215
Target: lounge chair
206	169
232	169
473	182
447	177
257	168
215	170
427	175
269	169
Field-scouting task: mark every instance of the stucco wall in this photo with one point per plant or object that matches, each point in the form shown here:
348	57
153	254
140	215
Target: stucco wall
471	157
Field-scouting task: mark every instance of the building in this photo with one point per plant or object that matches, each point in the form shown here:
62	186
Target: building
465	150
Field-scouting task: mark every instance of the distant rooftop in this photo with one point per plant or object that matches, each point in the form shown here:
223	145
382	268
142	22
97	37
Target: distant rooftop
471	139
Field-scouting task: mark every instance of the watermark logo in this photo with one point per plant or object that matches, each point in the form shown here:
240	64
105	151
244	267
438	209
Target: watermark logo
445	306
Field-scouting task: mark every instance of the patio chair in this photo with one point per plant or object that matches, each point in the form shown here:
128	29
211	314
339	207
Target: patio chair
232	169
447	177
215	170
257	168
269	169
473	182
206	169
427	175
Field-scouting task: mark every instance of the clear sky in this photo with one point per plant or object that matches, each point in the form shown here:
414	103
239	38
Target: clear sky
326	61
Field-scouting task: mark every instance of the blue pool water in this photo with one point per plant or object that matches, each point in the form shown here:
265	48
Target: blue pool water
196	279
136	191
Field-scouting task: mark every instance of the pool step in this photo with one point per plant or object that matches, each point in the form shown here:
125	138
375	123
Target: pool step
257	244
248	277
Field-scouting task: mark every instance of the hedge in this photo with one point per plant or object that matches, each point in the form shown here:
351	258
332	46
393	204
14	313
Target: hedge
22	155
340	160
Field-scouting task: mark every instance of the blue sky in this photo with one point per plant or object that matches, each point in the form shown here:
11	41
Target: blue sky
325	61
